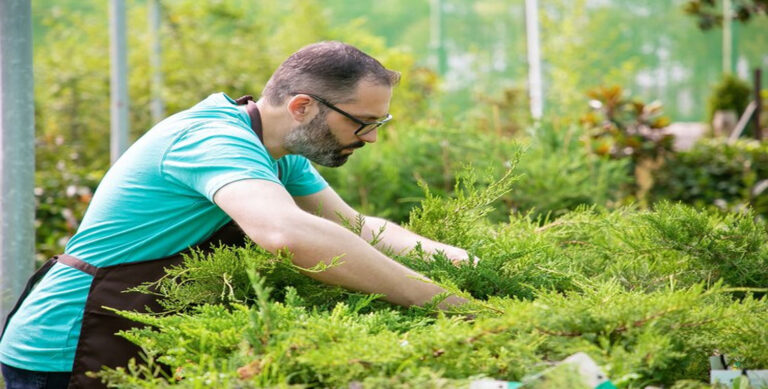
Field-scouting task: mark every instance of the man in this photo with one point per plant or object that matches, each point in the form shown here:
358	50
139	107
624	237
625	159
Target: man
193	173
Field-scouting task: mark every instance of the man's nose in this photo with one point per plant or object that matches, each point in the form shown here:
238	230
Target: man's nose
369	137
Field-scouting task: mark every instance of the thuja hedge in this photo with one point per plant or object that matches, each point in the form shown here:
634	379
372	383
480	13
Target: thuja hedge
648	294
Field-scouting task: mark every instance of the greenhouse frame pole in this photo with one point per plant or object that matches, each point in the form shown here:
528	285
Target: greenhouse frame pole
727	37
437	36
118	85
17	151
534	58
157	106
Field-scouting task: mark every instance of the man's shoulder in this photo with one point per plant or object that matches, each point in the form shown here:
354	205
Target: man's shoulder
217	102
216	108
216	99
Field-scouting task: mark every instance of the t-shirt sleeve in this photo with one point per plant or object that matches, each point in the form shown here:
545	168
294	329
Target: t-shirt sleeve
205	160
299	177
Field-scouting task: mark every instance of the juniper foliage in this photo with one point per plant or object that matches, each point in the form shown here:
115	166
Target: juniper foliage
558	173
649	294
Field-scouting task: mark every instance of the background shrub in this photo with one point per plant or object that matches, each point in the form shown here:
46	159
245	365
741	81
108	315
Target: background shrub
731	93
559	173
719	174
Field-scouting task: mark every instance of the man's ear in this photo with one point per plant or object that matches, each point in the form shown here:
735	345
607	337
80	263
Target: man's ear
301	108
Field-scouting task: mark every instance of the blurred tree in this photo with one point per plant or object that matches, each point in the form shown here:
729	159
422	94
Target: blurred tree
709	13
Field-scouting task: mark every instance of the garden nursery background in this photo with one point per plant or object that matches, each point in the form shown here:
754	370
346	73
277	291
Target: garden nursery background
598	230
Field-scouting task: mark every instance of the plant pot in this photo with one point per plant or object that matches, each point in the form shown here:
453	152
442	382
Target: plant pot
644	171
723	122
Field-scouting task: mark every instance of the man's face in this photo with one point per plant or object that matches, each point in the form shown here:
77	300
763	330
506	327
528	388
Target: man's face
329	138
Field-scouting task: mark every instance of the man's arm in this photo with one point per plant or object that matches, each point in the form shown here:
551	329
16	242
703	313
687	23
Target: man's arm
328	204
271	218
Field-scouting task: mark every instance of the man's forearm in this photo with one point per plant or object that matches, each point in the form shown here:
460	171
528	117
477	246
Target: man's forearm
398	239
313	239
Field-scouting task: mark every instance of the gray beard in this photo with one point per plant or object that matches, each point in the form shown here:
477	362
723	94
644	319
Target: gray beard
315	141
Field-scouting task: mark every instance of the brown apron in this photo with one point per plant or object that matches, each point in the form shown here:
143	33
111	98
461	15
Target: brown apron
98	345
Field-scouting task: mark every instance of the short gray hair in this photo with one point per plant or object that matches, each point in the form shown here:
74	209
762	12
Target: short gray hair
331	70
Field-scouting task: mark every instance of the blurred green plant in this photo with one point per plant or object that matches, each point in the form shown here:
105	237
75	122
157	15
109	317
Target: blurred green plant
718	174
560	173
622	126
730	93
505	113
557	172
64	185
385	179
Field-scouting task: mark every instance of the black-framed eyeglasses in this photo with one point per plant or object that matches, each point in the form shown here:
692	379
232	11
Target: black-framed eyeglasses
365	127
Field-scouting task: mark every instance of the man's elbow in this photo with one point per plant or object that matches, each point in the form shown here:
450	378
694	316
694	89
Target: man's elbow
274	240
287	232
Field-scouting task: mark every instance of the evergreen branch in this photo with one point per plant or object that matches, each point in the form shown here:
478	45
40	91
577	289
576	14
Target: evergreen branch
556	223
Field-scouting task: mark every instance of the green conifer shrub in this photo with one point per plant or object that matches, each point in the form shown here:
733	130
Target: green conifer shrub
649	294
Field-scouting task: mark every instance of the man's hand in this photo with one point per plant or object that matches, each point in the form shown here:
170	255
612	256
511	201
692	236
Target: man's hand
458	256
329	205
451	302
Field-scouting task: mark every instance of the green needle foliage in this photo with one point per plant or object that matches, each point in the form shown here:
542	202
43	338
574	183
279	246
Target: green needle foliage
648	294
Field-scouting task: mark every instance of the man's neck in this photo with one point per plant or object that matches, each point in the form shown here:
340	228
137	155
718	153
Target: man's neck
274	128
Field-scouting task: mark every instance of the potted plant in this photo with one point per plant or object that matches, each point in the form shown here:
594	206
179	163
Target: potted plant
727	102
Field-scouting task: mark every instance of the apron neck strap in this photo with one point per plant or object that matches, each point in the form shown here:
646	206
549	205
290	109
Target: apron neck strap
253	112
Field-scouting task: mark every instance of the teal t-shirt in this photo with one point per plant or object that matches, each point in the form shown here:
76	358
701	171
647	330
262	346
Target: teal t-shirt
155	201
